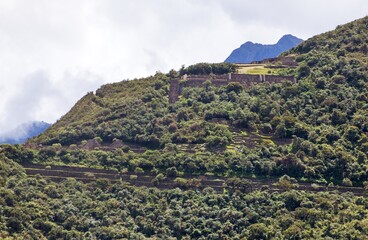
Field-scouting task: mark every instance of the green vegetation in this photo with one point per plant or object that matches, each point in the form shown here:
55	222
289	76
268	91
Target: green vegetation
324	116
33	208
208	68
325	113
264	69
249	68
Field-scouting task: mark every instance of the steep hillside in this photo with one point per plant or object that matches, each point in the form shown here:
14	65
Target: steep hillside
315	129
250	52
134	111
340	53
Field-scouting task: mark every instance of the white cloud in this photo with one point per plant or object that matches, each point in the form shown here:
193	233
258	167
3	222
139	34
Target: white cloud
53	52
302	18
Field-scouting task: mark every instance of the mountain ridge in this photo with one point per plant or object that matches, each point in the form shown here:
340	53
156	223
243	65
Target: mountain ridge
23	132
249	52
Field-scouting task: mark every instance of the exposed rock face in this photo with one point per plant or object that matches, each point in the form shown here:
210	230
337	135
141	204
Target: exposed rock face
250	52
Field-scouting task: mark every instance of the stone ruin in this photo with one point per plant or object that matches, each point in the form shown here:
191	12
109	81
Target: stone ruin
247	80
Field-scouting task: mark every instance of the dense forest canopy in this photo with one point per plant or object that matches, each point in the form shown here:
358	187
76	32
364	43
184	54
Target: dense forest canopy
33	208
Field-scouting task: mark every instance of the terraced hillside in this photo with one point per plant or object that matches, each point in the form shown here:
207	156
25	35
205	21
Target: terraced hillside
315	129
62	173
35	207
272	161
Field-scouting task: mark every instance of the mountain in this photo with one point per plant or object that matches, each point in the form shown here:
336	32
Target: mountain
284	160
23	132
249	52
325	108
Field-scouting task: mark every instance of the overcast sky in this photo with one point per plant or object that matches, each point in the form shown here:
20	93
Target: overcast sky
54	52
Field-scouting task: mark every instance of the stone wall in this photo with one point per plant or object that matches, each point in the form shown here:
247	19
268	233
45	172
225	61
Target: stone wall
247	80
174	90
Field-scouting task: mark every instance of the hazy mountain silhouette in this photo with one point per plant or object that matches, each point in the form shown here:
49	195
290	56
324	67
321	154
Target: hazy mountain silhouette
23	132
249	51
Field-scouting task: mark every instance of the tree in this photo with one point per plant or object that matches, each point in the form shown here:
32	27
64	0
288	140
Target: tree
287	182
303	71
234	87
259	231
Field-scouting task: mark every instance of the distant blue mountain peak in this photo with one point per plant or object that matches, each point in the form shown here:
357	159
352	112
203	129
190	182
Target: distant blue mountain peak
23	132
250	52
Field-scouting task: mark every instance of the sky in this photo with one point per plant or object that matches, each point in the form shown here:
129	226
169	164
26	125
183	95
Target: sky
53	52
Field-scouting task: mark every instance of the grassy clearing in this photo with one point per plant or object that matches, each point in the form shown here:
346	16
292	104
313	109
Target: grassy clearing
246	68
258	69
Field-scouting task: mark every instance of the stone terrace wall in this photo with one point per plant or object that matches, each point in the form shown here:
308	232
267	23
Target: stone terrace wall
174	90
247	80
